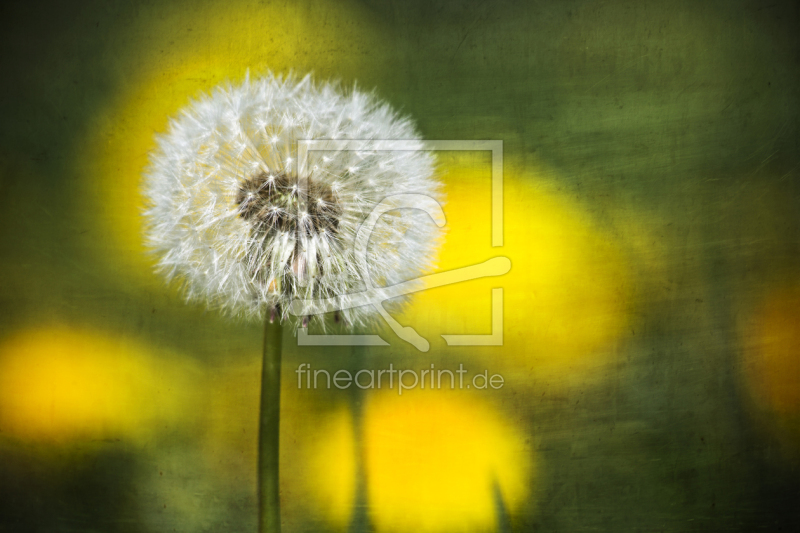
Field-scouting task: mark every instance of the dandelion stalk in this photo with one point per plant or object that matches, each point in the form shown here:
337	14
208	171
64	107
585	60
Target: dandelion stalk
269	515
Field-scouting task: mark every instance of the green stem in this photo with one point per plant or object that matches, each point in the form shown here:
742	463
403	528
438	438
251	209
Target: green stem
269	509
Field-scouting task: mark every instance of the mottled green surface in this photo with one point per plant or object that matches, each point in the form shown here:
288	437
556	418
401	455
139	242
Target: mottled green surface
677	119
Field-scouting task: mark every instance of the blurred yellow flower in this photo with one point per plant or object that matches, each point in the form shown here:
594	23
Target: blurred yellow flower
771	365
435	461
567	296
328	472
60	383
432	461
772	361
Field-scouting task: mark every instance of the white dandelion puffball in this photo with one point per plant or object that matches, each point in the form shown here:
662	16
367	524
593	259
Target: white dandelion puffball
234	218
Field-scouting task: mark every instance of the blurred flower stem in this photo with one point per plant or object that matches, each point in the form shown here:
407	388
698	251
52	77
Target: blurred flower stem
269	509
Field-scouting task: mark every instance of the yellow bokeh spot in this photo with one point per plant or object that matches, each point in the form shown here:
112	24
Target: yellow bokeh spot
772	352
60	383
173	55
771	367
566	295
329	471
436	462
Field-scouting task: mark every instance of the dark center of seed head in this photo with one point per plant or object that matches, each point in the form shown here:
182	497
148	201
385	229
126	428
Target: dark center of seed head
271	202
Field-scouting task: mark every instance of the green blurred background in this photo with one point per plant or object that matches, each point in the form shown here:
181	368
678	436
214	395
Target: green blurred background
652	318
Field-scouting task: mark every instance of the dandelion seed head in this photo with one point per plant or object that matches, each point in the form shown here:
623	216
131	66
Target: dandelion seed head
232	218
